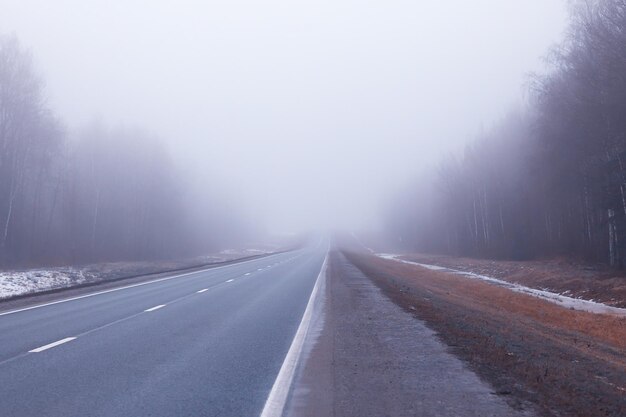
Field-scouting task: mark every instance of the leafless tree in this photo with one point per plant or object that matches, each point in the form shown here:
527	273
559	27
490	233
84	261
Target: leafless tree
552	179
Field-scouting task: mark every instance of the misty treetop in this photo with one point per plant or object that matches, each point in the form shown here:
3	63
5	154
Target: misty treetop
550	179
108	194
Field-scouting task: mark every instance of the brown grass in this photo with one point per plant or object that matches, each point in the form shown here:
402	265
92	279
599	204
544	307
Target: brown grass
588	281
566	362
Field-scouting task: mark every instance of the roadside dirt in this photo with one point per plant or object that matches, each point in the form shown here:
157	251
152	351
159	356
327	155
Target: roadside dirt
373	359
567	363
578	280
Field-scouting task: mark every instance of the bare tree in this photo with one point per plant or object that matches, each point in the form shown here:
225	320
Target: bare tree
553	180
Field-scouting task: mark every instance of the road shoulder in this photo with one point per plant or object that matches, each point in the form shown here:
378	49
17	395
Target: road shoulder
373	359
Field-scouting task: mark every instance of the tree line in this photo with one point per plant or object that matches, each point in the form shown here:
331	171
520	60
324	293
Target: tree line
100	195
549	179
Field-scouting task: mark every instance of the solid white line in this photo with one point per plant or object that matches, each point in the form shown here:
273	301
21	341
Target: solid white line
65	300
275	403
201	291
51	345
230	280
154	308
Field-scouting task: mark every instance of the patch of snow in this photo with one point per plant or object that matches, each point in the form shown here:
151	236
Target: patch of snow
252	250
247	251
19	282
14	283
560	299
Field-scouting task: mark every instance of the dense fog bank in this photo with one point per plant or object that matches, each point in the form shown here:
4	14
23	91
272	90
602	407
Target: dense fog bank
100	194
549	179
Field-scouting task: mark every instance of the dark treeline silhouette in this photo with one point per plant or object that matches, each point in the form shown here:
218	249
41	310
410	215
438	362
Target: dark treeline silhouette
108	194
548	180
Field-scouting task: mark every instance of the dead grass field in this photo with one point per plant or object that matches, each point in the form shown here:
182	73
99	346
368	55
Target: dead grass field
566	362
587	281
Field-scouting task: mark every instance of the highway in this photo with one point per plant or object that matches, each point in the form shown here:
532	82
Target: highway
207	343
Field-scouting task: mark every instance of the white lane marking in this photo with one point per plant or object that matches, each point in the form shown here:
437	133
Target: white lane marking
51	345
260	269
247	273
275	403
201	291
154	308
93	294
230	280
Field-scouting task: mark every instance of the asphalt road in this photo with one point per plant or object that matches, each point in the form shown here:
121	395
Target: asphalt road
209	343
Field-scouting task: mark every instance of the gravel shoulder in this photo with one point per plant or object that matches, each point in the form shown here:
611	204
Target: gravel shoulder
564	362
373	358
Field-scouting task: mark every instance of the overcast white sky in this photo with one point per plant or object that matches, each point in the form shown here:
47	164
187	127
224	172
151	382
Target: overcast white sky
308	110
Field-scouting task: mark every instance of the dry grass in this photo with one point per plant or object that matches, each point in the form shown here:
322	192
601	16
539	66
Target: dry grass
591	282
566	362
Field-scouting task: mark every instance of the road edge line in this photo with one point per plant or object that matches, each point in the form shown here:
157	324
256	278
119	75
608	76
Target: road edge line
277	399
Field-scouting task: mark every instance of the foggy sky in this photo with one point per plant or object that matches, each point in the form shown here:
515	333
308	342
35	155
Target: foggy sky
308	112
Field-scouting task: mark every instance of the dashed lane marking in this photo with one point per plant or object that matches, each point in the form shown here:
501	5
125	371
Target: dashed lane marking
155	308
51	345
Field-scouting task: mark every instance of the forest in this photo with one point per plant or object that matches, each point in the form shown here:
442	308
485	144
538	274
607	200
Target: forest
549	179
100	194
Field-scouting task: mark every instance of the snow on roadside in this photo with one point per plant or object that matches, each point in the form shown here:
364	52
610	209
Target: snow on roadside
560	299
250	251
14	283
19	282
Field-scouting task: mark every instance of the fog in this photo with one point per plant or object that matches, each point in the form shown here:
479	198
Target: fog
304	114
